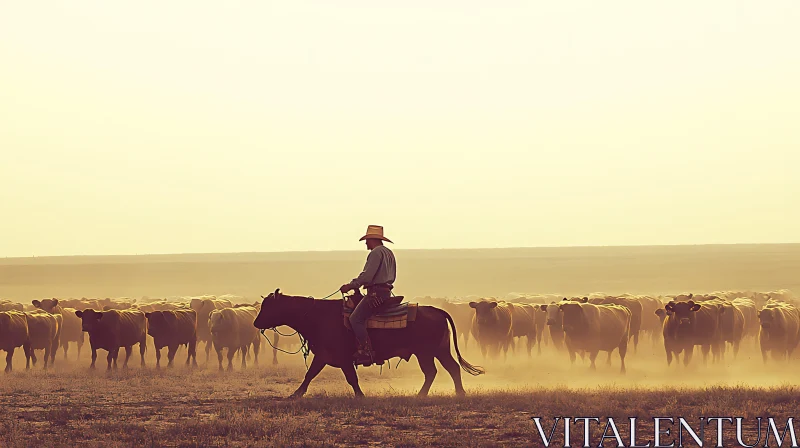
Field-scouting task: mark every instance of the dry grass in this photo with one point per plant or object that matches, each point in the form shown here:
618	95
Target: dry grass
71	406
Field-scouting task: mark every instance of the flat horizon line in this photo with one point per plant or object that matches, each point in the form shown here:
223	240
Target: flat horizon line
400	250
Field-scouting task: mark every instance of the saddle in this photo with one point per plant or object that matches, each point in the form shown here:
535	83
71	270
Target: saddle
392	315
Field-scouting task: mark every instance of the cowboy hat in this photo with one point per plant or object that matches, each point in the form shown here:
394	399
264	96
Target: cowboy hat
375	232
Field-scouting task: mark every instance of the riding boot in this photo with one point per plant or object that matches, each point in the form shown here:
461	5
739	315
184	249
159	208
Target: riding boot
365	355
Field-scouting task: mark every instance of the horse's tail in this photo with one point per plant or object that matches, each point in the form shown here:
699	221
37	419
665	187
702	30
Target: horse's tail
469	368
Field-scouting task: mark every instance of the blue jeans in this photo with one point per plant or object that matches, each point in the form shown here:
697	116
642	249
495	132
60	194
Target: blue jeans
358	320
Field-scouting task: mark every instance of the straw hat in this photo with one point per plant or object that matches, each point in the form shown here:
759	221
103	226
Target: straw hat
375	232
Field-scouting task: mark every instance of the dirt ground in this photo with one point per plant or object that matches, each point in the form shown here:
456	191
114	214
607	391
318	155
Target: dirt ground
69	405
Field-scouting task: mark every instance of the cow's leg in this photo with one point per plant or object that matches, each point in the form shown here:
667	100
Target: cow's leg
158	357
171	350
192	349
635	341
429	370
483	350
219	356
110	358
256	349
142	349
572	357
592	358
351	376
688	352
608	359
275	341
446	360
231	353
736	348
65	347
128	351
47	355
669	356
531	341
9	357
208	349
54	351
245	354
34	359
313	370
94	357
623	350
80	346
705	349
539	336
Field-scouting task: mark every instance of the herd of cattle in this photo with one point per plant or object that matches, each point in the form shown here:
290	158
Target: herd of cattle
598	322
113	324
714	322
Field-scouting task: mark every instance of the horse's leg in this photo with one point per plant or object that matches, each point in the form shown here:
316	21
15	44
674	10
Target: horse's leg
313	370
449	363
429	370
352	379
275	341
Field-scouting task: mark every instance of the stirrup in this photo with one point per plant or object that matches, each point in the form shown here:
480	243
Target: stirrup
364	358
365	355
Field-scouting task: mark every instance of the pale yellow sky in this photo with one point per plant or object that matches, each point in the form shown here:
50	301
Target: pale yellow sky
186	126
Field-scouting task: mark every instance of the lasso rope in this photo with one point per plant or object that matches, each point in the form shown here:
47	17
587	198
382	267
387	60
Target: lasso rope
303	345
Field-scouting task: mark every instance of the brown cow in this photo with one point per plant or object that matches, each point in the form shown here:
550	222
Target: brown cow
636	309
172	329
750	312
731	326
594	328
115	304
687	324
462	316
780	329
232	328
523	323
555	323
44	331
13	334
204	307
650	322
7	305
491	327
71	330
110	330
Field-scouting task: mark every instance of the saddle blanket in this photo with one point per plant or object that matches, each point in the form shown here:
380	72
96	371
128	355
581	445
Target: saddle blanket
397	316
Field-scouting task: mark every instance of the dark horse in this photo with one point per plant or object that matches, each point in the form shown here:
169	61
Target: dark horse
320	322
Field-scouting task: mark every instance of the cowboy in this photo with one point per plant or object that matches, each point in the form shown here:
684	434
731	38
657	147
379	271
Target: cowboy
378	277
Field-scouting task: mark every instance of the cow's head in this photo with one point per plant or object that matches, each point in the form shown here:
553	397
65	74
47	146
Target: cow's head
202	306
767	317
484	311
662	314
572	315
553	313
48	305
159	323
90	319
683	312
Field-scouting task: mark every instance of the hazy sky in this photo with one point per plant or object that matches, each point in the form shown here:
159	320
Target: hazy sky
188	126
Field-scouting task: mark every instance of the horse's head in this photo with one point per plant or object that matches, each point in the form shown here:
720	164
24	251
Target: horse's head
273	310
